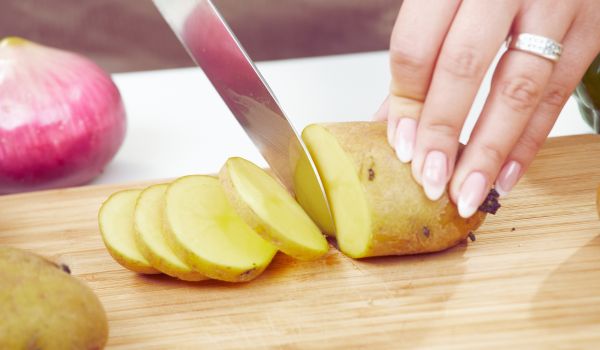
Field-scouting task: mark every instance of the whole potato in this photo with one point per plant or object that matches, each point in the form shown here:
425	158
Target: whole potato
44	307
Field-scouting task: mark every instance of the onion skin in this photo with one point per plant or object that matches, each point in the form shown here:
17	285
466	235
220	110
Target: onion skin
61	118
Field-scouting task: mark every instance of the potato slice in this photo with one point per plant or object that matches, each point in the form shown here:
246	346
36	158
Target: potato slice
270	210
115	219
377	207
205	231
150	236
309	197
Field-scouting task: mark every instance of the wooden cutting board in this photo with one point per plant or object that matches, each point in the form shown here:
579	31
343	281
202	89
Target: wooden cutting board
530	280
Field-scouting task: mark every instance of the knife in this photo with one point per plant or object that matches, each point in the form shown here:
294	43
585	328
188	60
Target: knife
212	45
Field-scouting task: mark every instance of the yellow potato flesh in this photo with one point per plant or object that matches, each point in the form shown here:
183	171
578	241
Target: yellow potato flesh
344	191
208	235
308	194
273	212
116	226
150	236
378	208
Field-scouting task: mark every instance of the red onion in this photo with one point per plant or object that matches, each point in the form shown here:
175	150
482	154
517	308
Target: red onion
61	117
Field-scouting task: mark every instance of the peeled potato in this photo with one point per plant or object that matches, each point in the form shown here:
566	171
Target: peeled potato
378	208
150	236
205	231
116	226
271	211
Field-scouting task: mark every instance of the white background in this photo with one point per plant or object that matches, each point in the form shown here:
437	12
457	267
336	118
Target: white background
178	125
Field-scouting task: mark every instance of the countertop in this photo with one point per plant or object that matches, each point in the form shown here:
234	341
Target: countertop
178	125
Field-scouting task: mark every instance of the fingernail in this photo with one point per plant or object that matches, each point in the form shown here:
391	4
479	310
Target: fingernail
391	130
508	177
406	132
472	194
434	176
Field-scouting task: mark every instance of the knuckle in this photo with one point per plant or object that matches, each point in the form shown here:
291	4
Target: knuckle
405	106
405	60
443	128
529	143
521	93
555	96
492	153
410	70
464	62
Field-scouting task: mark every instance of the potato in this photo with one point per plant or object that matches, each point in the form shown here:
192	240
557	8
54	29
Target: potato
377	207
270	210
309	197
115	219
43	307
150	236
205	231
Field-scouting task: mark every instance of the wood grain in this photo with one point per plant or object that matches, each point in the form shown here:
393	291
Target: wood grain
537	286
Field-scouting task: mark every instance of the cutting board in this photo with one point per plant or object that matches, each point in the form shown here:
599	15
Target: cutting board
531	279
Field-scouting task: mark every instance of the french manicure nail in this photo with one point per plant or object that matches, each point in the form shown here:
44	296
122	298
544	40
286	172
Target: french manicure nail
435	176
508	177
391	130
406	132
472	194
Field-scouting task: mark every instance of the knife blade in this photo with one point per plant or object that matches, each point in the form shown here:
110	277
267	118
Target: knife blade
211	43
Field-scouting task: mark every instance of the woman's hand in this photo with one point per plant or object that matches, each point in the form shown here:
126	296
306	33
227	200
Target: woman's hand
439	53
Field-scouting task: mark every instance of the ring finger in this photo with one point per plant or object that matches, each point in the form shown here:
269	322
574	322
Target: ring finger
516	90
578	54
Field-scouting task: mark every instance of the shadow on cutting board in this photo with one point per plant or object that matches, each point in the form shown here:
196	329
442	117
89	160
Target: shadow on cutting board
279	266
568	297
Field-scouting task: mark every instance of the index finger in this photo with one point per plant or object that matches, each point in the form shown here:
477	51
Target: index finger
416	40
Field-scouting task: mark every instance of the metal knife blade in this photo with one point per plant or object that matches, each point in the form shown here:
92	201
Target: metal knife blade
212	45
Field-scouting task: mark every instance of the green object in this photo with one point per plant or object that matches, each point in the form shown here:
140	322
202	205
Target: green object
587	94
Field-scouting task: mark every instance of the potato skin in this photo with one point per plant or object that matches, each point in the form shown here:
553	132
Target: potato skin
404	220
43	307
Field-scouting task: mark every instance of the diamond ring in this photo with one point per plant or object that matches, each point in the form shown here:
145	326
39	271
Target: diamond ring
537	45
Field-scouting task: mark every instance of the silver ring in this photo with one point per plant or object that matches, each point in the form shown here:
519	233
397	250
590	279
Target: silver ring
537	45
